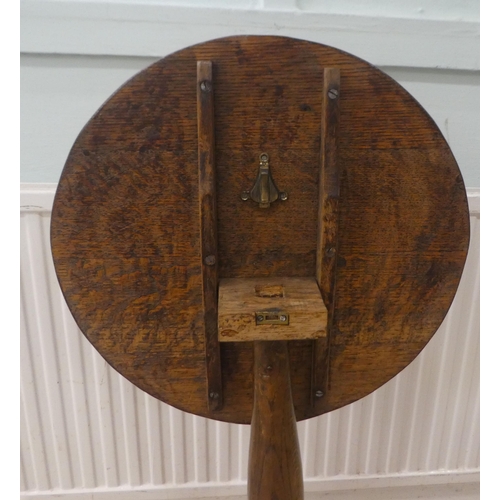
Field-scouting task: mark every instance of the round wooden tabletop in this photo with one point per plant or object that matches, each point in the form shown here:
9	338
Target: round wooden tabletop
126	229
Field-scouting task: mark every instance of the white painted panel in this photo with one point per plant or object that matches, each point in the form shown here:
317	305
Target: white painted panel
61	93
394	37
88	433
47	402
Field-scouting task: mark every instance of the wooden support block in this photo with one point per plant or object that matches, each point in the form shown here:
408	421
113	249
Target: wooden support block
270	309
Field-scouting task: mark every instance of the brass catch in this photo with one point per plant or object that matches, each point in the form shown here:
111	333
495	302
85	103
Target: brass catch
264	191
273	317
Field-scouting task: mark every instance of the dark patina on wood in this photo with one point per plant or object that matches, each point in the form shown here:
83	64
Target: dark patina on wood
208	230
328	223
126	220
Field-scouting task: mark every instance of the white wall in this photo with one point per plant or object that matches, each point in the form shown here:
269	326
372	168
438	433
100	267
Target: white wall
76	53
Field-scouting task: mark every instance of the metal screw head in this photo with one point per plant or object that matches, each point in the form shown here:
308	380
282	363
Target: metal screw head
206	86
319	394
283	196
333	94
245	195
330	252
282	318
264	157
214	395
210	260
260	318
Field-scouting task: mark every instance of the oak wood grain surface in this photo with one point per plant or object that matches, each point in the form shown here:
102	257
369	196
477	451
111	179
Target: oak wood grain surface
126	224
241	300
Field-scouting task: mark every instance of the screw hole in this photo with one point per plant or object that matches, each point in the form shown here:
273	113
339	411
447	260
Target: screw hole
210	260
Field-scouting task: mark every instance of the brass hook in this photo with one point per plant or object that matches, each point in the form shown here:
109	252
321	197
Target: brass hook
264	191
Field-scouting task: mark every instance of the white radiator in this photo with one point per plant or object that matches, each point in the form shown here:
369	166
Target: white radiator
86	432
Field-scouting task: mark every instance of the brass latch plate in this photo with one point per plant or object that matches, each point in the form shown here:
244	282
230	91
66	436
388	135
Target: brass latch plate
270	309
275	317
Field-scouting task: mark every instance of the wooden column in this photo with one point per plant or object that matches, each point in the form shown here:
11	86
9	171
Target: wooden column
274	467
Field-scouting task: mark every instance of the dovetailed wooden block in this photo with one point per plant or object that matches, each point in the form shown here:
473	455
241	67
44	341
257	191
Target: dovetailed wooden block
270	309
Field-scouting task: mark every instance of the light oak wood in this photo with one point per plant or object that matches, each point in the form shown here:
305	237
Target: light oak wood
242	300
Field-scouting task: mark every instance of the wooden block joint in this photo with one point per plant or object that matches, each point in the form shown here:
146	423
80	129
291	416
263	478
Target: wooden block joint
270	309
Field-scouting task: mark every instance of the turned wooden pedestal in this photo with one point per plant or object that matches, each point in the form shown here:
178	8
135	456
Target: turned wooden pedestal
274	466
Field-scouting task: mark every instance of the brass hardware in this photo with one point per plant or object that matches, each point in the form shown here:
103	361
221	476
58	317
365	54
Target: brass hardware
264	191
272	317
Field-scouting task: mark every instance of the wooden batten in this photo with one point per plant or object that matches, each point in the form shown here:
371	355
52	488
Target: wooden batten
270	309
208	230
328	218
